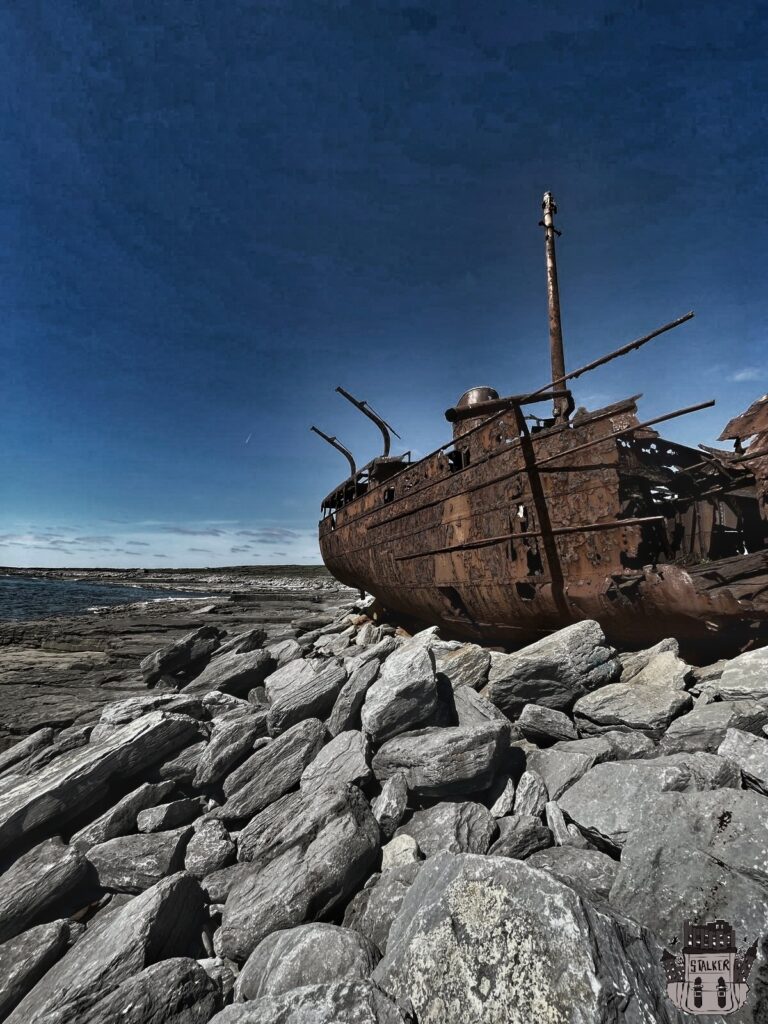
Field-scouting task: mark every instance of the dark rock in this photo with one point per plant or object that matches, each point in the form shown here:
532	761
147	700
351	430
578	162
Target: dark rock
34	881
558	769
520	836
697	856
282	824
344	759
647	706
345	713
71	782
704	728
307	879
209	849
590	872
182	767
545	725
174	991
443	762
463	664
389	806
340	1002
156	925
403	696
354	659
25	958
121	712
271	771
557	825
311	954
750	753
607	801
311	697
219	883
233	673
451	827
21	750
168	816
489	939
183	655
285	651
555	671
374	909
231	740
633	662
531	795
612	745
473	709
135	863
120	819
242	643
285	679
500	798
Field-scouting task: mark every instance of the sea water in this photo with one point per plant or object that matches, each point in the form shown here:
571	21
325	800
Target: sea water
31	598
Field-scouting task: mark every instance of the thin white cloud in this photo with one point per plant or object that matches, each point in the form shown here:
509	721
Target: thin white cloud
746	374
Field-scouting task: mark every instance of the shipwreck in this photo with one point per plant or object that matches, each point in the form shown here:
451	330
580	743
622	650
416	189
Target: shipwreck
519	525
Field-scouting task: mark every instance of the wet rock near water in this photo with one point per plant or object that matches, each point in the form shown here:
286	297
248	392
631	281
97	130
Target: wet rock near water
341	822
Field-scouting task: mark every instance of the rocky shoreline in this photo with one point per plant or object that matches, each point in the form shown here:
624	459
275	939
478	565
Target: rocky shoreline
325	820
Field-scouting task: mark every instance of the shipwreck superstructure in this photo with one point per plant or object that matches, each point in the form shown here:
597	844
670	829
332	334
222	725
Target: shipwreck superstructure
514	528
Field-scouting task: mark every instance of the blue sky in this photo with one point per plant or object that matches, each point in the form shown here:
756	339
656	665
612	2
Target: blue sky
212	214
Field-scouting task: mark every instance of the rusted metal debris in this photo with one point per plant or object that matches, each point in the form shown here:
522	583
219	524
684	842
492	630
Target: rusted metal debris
507	531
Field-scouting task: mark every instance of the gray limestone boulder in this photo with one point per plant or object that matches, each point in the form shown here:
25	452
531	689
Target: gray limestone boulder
389	806
646	706
307	878
481	939
445	762
462	664
355	657
399	851
345	713
181	768
184	655
531	794
661	665
71	783
373	910
500	798
312	696
472	708
24	748
705	727
310	954
612	745
121	712
520	836
344	759
750	753
272	771
451	827
745	677
171	815
558	768
590	872
25	958
607	801
37	879
158	924
404	695
545	725
120	819
285	651
283	680
231	740
209	849
339	1002
241	643
233	673
555	671
135	863
633	662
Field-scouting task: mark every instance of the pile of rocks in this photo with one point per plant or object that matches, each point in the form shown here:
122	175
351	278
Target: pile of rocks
348	824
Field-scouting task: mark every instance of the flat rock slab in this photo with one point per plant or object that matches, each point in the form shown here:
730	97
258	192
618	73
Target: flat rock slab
555	671
344	759
463	664
310	954
403	697
545	725
306	878
29	745
272	771
341	1002
285	679
472	708
606	802
647	707
531	794
135	863
558	769
36	880
209	849
345	713
611	745
389	806
590	872
705	727
25	958
451	827
230	742
481	939
520	836
745	676
120	819
443	762
159	923
233	673
75	778
750	753
313	696
168	816
182	655
374	909
121	712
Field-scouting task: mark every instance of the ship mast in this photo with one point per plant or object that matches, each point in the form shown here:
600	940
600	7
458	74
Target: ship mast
561	406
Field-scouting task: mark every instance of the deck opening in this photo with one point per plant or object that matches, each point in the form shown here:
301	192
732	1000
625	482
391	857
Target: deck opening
525	591
457	606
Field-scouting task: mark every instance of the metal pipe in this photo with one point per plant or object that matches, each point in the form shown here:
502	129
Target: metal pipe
560	407
366	410
339	448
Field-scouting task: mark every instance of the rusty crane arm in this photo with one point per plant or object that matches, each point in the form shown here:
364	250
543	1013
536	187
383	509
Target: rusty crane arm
382	424
335	443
